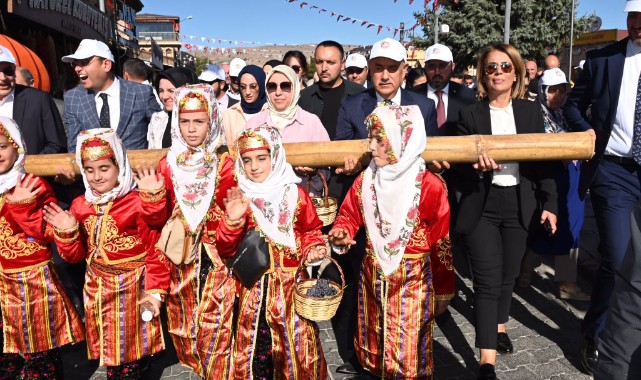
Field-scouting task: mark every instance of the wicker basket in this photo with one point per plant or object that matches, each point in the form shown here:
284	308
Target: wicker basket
314	308
326	206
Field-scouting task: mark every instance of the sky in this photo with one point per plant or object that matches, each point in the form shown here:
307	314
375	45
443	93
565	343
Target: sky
248	23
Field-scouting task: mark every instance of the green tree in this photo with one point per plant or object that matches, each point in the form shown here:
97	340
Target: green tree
201	62
535	27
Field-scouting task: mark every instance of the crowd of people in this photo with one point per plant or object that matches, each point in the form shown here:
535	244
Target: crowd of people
165	240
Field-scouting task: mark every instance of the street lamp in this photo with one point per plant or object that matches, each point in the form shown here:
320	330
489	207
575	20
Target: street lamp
186	18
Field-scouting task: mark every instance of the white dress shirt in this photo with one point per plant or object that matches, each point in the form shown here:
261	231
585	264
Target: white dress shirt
431	94
6	105
113	99
502	121
396	100
223	104
620	143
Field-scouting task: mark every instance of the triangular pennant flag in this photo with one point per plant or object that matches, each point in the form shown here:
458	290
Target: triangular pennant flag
363	23
411	1
302	4
395	31
369	26
339	17
379	29
347	18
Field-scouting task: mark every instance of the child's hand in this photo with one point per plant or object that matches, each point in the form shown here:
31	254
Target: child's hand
59	218
339	236
236	204
24	189
154	302
64	177
147	179
315	255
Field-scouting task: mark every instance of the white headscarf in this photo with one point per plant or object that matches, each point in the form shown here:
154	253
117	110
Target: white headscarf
391	193
126	181
11	130
273	201
193	170
280	119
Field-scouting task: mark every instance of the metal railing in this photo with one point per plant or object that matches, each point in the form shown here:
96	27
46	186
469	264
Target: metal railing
159	36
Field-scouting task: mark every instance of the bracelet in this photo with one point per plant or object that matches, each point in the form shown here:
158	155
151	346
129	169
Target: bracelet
234	223
66	235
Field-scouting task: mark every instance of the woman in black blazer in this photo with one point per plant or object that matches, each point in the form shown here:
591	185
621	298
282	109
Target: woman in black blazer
500	202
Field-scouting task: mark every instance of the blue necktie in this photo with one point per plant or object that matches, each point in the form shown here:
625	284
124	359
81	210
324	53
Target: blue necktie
636	137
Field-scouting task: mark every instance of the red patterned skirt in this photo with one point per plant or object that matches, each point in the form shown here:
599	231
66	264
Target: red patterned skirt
37	314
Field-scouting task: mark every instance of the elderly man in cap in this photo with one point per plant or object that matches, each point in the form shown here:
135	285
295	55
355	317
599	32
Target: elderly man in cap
610	86
235	66
105	101
33	110
356	69
214	76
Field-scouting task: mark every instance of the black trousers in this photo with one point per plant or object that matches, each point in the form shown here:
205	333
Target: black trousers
495	248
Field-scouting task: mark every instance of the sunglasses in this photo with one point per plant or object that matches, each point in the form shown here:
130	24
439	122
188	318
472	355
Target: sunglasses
252	87
284	86
354	70
296	68
491	68
8	71
81	62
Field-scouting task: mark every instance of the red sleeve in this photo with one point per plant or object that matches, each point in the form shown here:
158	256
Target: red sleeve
154	211
435	211
157	269
307	225
72	243
28	214
226	179
228	237
349	216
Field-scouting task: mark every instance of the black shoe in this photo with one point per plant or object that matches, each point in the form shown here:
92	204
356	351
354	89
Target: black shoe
504	344
486	372
589	356
347	368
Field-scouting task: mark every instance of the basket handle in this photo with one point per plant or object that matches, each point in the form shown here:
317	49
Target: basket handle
302	266
324	182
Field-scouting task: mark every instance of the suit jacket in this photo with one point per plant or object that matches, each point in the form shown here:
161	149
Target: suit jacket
39	120
355	108
458	97
137	104
311	99
597	88
537	189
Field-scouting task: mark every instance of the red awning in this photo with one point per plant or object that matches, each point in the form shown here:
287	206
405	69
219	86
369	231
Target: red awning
25	57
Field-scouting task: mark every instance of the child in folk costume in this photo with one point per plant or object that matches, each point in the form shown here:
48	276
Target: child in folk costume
37	315
202	293
272	341
110	227
406	276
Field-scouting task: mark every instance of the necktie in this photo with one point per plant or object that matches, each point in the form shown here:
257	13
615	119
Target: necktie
636	137
440	109
105	122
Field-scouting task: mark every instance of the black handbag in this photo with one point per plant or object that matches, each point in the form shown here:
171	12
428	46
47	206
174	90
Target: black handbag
251	261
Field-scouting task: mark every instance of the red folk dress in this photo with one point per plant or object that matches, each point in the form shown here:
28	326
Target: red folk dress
296	345
37	314
122	266
396	313
201	295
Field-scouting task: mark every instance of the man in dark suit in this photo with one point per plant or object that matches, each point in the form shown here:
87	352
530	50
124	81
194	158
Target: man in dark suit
609	87
33	110
105	100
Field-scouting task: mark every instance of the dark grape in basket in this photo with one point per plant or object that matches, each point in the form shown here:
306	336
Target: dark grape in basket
321	289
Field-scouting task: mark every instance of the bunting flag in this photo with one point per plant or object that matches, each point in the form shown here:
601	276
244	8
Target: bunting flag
379	29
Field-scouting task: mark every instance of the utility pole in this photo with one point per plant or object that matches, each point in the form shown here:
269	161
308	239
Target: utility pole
508	9
437	12
571	42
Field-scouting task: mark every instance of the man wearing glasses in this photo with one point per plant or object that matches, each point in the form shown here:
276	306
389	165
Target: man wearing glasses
214	76
235	66
104	100
356	69
33	110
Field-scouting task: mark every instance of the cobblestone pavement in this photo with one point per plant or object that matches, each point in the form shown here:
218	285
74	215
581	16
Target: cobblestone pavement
543	329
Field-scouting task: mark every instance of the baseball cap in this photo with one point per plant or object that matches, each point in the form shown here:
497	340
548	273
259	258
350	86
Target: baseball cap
389	48
235	66
356	60
90	48
439	52
6	55
212	73
552	77
632	6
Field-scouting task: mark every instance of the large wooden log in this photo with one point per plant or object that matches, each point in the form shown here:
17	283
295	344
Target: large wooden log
525	147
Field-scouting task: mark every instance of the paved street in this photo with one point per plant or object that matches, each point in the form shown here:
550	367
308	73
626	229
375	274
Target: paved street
544	331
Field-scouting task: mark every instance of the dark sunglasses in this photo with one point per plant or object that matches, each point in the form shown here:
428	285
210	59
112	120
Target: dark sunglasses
81	62
284	86
491	68
9	71
354	70
296	68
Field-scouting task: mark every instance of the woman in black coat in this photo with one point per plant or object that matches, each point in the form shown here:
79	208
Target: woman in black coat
501	203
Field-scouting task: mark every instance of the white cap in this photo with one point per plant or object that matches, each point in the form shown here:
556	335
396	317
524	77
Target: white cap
389	48
6	55
439	52
212	73
632	6
580	66
235	66
90	48
552	77
356	60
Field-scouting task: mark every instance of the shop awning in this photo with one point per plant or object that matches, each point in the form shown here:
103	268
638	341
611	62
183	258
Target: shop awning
25	57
